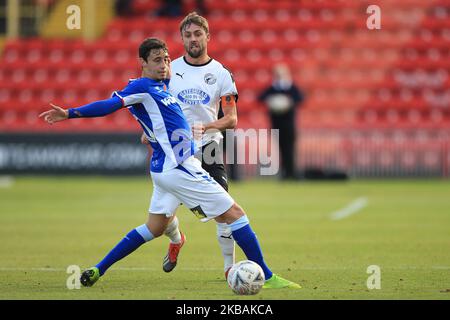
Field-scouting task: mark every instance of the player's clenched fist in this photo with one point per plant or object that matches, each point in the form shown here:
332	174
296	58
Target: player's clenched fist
55	114
198	130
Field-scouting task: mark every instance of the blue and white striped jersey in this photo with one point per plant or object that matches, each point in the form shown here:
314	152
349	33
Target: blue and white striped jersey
162	120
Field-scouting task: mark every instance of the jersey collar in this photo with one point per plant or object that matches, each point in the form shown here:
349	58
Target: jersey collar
154	82
197	65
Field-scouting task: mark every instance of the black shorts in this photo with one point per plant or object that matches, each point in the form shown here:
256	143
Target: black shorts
216	170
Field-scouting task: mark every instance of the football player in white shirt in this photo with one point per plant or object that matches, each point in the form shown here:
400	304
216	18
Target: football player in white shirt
202	86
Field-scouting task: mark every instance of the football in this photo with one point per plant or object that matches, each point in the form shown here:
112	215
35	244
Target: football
246	278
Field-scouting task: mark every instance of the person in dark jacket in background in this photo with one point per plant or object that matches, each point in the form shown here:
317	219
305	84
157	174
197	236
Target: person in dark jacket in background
282	98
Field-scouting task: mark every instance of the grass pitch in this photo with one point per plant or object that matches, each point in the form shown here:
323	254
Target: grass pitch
47	224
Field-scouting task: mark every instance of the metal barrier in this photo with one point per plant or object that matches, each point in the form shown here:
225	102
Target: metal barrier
376	153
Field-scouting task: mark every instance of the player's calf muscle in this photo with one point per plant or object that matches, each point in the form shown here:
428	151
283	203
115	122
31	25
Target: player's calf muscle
157	224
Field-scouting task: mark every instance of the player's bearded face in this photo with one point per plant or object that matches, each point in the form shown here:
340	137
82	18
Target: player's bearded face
195	40
195	50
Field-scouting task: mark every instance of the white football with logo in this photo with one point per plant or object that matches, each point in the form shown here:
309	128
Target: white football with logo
246	278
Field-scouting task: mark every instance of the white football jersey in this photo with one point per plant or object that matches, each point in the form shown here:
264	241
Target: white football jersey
198	89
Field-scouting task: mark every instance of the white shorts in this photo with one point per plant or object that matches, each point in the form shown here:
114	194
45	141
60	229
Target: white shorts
191	185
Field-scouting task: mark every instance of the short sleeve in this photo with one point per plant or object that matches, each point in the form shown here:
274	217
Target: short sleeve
133	93
228	84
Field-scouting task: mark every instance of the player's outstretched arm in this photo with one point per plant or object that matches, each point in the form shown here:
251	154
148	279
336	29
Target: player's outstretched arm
55	114
94	109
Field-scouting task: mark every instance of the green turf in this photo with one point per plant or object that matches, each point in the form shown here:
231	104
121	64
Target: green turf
47	224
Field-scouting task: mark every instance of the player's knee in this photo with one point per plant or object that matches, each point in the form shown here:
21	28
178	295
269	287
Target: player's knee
232	214
238	211
156	230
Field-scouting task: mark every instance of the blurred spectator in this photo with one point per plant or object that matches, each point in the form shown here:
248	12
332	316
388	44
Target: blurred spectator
282	98
171	8
124	8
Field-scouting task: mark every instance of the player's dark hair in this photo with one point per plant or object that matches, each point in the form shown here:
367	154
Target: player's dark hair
150	44
196	19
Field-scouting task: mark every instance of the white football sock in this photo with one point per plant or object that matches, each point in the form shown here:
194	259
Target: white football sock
226	242
173	232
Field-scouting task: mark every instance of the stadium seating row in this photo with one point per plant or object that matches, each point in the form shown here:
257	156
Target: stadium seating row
353	77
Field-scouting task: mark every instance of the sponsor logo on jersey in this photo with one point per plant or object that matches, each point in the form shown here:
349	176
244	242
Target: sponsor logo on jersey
169	100
193	96
210	78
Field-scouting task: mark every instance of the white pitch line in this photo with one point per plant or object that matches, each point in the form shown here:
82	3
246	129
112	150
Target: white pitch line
12	269
352	208
5	269
6	182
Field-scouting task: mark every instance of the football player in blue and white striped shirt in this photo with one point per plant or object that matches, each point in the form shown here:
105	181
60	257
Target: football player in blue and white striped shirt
177	175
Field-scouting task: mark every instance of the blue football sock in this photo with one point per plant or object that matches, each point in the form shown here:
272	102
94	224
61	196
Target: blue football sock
246	239
133	240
